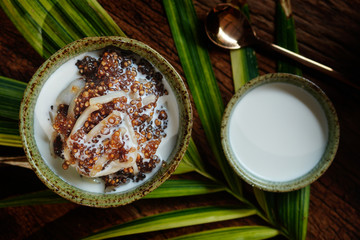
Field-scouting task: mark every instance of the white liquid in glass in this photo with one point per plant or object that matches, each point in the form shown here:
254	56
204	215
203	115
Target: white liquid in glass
278	132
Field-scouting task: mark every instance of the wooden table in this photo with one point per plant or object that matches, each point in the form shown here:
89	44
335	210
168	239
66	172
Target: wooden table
328	31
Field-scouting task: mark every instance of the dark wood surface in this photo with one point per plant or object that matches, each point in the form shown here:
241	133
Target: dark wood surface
328	31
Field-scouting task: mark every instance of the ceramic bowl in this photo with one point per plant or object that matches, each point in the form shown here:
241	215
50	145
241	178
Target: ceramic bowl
34	114
280	132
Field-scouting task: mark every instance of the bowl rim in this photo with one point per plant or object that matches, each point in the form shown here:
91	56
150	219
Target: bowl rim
330	150
31	94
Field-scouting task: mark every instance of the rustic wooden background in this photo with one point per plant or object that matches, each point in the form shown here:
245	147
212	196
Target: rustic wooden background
328	31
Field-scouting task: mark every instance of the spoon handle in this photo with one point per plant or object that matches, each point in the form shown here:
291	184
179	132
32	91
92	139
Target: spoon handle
305	61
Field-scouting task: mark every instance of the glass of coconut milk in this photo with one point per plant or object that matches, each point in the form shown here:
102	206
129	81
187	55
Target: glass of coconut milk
280	132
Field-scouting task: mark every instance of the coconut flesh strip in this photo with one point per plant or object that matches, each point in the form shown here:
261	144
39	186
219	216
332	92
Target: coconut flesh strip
68	96
149	99
117	94
126	132
83	118
78	124
126	129
71	109
107	98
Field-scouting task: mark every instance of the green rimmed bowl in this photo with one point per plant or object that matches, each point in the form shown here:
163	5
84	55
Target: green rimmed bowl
34	119
280	132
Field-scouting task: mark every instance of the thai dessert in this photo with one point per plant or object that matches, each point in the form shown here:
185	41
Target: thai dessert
108	124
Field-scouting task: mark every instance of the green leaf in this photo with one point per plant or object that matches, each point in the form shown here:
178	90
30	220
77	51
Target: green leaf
9	133
175	219
184	187
242	73
10	140
193	160
35	198
183	168
243	62
233	233
289	211
170	188
11	94
197	67
8	127
285	34
50	25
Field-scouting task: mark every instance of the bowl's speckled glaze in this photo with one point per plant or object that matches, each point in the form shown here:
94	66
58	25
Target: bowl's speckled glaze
331	147
55	182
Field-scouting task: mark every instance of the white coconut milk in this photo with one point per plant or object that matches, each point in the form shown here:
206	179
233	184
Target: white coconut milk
43	129
278	131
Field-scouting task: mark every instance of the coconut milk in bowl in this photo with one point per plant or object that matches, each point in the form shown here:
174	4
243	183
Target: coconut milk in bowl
280	132
105	121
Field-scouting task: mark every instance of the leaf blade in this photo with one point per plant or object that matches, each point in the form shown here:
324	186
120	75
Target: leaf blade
11	93
170	188
200	77
244	64
184	187
10	140
289	211
35	198
9	133
285	34
233	233
49	25
174	219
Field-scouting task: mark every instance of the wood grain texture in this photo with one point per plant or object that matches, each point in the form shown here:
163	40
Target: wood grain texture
328	31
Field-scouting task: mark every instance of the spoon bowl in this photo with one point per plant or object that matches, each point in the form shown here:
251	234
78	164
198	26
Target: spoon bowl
228	27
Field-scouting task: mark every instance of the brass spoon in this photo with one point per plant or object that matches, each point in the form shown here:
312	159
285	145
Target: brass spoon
229	28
